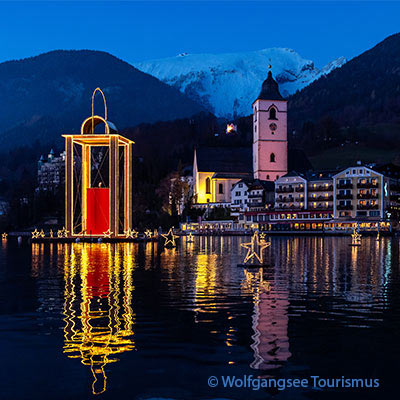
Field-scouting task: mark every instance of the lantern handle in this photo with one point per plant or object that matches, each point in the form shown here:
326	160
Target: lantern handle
105	105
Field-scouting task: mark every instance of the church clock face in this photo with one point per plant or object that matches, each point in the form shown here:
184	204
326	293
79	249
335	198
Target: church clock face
273	127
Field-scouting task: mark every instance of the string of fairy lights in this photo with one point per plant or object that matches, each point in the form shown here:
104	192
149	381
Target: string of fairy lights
254	256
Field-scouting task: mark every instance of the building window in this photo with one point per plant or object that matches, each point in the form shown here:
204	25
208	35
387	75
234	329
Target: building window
272	157
267	177
272	113
208	186
220	188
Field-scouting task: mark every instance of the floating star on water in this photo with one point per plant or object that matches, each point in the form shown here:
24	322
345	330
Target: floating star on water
131	233
169	238
190	238
107	233
355	237
4	236
255	248
51	233
41	233
35	234
148	233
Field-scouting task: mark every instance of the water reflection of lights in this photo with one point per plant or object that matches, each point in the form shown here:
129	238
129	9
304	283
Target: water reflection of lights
205	285
269	321
99	319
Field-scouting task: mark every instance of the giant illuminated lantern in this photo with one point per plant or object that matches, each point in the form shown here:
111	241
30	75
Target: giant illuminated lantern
98	179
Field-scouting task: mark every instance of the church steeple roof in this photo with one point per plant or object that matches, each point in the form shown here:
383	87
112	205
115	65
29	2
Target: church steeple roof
270	89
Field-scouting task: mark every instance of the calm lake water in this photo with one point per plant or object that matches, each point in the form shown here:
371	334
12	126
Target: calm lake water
136	321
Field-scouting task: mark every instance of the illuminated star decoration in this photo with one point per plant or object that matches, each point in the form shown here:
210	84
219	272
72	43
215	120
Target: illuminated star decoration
255	248
155	233
107	233
131	233
148	233
41	233
169	238
60	233
263	237
51	233
35	234
4	236
65	232
190	238
355	237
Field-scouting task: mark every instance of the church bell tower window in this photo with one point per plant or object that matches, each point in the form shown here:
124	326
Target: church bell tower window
272	113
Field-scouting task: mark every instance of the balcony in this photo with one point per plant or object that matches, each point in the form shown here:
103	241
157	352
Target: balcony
367	185
285	200
284	190
258	204
321	207
344	186
345	207
321	198
367	207
367	196
289	208
347	196
321	188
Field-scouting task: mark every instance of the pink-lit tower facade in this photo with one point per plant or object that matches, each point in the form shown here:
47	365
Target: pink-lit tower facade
270	146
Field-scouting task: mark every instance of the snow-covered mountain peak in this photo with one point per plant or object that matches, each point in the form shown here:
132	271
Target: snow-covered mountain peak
227	84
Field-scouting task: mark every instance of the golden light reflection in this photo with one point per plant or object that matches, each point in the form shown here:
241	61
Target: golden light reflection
99	319
205	285
269	321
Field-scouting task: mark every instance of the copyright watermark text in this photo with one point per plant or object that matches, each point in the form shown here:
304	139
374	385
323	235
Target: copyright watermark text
254	383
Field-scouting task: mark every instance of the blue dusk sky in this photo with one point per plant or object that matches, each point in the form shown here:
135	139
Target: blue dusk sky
137	31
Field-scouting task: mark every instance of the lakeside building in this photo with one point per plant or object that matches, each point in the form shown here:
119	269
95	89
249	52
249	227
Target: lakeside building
216	171
363	192
51	172
263	186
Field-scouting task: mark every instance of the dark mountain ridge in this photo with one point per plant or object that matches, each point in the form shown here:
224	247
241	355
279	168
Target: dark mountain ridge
363	92
44	96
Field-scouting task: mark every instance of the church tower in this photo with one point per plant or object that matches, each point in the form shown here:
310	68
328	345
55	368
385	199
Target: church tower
270	147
